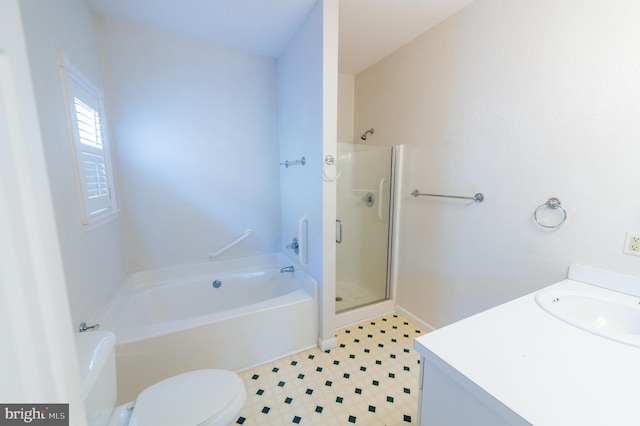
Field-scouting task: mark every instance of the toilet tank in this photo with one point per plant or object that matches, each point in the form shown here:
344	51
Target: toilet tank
96	359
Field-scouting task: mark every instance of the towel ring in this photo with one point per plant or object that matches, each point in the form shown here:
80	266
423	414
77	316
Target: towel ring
329	160
552	203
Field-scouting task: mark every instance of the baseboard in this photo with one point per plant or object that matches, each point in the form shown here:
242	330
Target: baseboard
365	313
276	358
414	319
327	344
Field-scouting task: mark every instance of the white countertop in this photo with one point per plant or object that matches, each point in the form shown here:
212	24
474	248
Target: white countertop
546	371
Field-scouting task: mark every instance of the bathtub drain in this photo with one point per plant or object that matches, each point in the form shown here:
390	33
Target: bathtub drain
217	284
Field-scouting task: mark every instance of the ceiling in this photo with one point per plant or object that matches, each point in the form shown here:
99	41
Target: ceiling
372	29
369	29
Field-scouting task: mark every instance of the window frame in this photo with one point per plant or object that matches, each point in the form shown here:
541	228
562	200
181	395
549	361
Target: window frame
77	86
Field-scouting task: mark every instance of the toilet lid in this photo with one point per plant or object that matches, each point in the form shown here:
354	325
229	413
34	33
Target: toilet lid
201	397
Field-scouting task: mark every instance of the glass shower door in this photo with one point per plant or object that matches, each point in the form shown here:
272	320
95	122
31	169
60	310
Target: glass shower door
363	224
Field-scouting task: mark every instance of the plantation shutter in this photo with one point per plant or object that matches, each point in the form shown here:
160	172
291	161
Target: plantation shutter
91	148
92	162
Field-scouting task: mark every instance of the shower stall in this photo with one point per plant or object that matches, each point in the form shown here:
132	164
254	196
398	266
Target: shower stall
363	225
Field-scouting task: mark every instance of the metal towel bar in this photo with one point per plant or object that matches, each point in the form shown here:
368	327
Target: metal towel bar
478	198
288	163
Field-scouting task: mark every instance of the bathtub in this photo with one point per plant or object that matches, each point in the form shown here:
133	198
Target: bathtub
231	314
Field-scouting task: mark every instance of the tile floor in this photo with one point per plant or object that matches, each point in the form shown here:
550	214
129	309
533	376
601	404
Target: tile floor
371	378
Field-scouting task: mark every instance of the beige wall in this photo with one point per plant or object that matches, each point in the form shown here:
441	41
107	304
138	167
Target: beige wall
346	88
523	101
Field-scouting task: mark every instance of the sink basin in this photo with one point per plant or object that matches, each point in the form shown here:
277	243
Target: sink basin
604	312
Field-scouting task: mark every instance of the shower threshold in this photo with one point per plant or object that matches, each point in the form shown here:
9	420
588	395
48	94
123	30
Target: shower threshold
355	295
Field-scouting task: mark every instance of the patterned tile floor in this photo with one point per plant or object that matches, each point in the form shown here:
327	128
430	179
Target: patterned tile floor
371	378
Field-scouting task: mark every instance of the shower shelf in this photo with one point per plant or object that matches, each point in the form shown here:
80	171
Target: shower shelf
379	190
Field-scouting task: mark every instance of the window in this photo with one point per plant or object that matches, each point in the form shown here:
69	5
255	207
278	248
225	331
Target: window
90	147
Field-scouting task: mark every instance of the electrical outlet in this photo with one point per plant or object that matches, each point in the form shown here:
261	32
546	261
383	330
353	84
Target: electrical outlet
632	243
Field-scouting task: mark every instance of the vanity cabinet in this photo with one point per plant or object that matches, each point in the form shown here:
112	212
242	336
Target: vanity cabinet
447	398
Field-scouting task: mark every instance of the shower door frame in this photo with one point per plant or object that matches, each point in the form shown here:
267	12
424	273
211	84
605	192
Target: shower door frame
390	229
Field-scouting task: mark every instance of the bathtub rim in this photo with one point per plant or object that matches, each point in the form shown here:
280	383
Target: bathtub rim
140	280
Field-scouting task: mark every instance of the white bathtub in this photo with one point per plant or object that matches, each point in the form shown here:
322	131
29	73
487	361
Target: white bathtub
173	320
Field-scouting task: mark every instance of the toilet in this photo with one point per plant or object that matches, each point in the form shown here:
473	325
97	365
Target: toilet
203	397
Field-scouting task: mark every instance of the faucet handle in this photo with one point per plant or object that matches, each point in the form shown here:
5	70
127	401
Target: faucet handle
294	246
83	327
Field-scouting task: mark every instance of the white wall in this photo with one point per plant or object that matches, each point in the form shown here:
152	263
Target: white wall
300	135
93	260
327	337
196	141
37	360
301	103
522	101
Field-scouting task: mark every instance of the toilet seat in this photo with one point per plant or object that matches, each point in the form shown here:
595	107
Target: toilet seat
201	397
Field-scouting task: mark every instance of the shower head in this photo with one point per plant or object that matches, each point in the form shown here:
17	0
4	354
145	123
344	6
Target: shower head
364	135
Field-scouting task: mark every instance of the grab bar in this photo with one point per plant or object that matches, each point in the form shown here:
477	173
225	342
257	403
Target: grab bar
478	198
231	244
303	238
380	189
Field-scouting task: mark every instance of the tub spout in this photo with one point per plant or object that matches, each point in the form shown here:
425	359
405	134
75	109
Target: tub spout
286	269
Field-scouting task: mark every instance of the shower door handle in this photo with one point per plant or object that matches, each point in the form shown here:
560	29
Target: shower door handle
339	233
